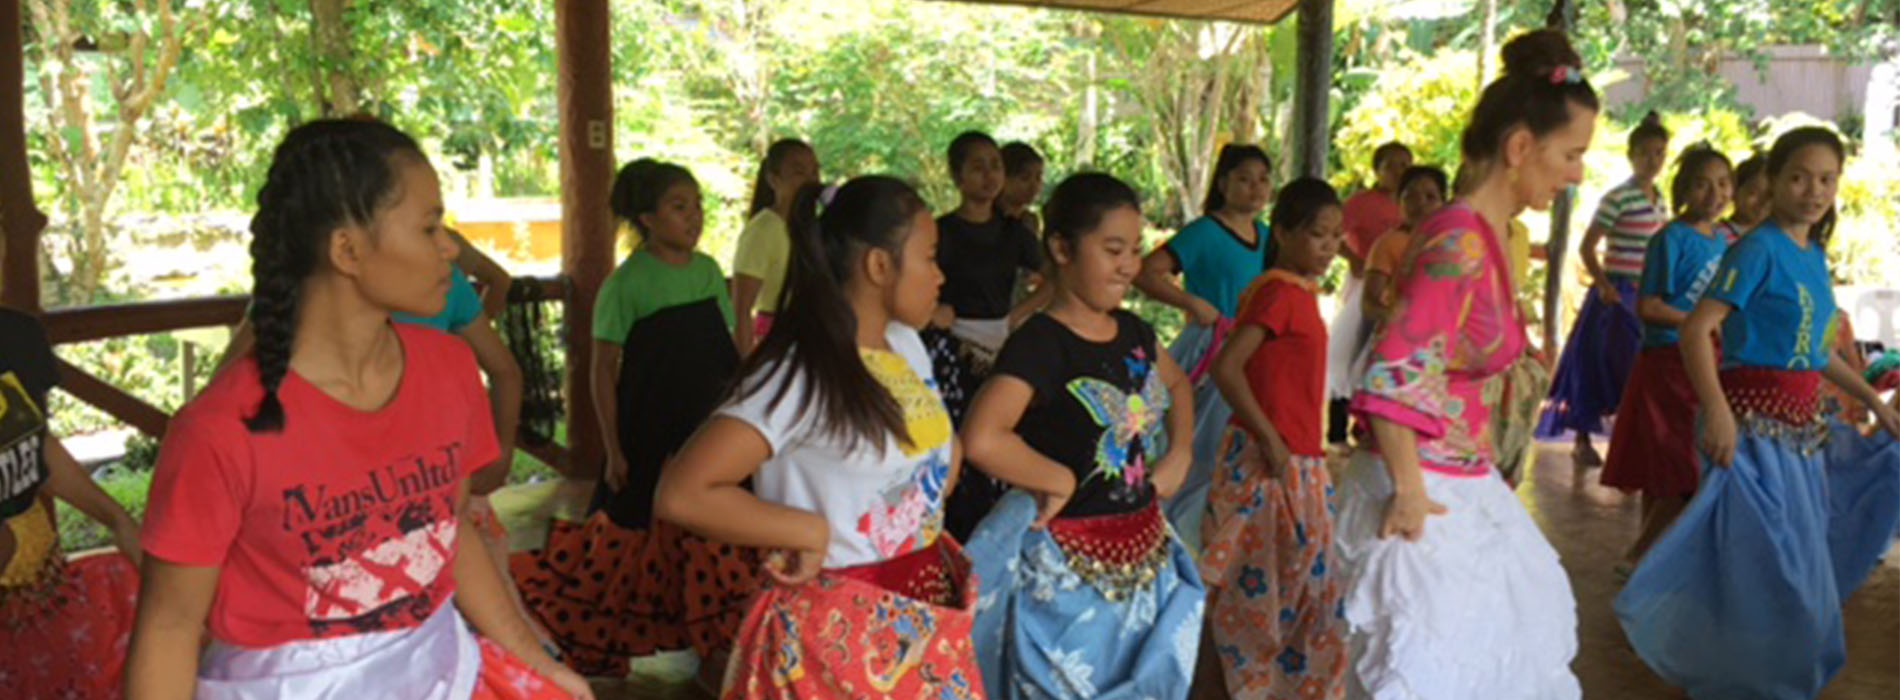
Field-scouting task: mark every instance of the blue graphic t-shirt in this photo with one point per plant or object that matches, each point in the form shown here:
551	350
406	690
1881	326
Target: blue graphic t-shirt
1216	264
1679	266
1784	302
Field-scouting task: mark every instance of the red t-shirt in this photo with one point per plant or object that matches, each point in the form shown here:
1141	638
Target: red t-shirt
344	522
1369	215
1288	372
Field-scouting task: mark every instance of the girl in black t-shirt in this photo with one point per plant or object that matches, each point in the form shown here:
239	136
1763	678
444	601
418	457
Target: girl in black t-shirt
1092	424
982	251
64	621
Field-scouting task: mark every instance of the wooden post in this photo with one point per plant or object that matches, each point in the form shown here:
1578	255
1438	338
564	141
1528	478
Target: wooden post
1311	112
20	221
1561	19
582	38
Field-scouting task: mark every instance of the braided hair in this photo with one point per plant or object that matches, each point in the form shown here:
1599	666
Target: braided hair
326	174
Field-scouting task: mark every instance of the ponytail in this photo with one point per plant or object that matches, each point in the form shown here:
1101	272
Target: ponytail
762	195
816	333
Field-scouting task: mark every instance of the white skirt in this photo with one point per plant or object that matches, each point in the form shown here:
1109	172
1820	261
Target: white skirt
1347	335
1479	607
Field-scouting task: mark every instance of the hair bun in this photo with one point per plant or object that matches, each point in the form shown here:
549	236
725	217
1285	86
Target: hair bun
1652	119
1538	53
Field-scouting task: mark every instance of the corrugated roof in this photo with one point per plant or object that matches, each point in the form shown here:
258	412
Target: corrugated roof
1256	11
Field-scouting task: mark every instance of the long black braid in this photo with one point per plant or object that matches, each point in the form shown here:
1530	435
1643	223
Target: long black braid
326	174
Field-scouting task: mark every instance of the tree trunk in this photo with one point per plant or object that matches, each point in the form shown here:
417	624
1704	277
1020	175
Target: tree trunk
1487	42
20	220
330	38
91	170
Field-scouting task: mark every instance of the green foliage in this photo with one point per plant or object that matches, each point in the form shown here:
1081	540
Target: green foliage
128	487
1422	102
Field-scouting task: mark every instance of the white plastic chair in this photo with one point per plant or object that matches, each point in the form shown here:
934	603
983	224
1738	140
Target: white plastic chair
1877	317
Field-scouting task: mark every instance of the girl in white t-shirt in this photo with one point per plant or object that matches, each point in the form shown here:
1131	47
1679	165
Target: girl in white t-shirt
839	427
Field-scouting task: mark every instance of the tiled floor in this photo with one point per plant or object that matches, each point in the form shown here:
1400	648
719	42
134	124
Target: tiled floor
1588	524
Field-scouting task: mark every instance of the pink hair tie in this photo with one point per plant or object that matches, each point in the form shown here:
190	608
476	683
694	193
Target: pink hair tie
1566	74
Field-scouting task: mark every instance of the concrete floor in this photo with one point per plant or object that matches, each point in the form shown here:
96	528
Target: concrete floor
1589	525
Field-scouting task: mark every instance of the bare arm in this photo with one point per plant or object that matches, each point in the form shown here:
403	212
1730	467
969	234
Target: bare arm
745	293
1405	514
1156	279
1592	260
605	381
1698	358
1230	377
700	491
174	600
1848	379
992	445
504	398
1373	300
1173	468
494	278
69	482
1655	311
483	600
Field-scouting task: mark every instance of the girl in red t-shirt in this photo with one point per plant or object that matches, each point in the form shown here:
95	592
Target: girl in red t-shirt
305	506
1268	525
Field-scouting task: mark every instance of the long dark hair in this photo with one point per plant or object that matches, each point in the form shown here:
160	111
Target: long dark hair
1232	156
762	195
1784	151
1542	78
815	336
1689	166
639	186
326	174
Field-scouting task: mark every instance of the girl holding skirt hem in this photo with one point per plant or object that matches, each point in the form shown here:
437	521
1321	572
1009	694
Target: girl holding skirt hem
306	506
1217	256
1607	334
838	425
1741	598
1653	450
1451	592
1088	594
1274	616
621	583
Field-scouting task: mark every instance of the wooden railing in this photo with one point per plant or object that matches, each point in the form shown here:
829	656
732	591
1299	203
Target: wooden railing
78	325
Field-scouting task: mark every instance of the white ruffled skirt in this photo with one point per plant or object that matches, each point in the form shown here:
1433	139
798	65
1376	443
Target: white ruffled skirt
1479	607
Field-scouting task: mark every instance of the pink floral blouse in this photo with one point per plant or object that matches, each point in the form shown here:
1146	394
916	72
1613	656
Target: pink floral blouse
1436	365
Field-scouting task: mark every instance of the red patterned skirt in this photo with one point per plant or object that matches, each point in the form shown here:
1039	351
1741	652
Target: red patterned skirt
1653	448
894	629
606	593
68	637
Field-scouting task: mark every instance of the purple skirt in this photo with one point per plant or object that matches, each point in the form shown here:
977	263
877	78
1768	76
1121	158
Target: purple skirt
1596	363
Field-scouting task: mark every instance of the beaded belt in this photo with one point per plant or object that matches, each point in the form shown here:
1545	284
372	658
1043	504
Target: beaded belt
1783	404
1117	554
931	574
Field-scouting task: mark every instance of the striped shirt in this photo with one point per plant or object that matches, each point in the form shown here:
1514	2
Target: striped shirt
1632	219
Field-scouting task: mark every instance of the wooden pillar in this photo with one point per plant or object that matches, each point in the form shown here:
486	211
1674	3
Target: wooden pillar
20	221
1312	91
1561	18
587	228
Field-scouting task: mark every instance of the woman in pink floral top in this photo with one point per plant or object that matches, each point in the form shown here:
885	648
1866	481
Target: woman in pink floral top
1450	590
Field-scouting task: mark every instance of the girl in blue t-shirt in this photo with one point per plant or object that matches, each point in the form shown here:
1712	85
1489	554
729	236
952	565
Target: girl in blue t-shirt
1217	256
1653	450
1742	596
